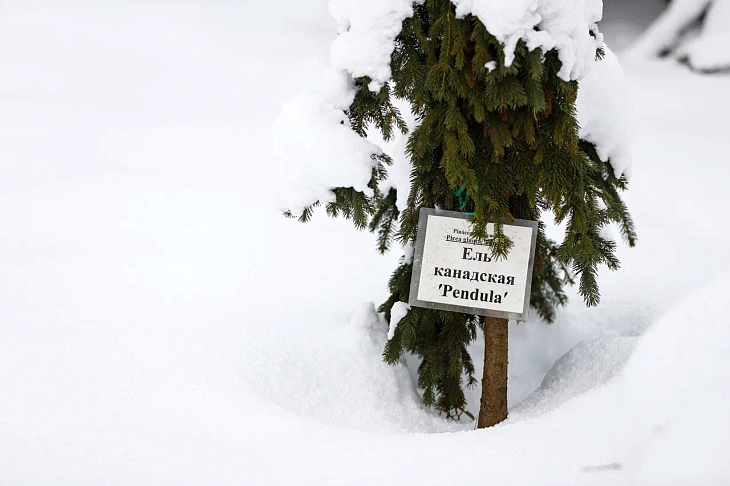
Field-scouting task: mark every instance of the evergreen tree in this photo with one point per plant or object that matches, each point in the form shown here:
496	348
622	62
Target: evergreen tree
498	142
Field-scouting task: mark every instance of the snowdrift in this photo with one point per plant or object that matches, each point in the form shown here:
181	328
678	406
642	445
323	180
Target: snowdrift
677	389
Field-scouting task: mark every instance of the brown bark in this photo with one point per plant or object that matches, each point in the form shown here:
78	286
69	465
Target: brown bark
493	408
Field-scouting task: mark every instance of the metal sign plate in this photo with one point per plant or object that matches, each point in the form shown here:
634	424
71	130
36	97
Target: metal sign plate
452	271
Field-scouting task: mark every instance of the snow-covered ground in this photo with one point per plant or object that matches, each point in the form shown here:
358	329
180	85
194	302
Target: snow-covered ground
161	323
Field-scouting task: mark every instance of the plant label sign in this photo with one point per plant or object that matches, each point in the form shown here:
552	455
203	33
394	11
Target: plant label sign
453	271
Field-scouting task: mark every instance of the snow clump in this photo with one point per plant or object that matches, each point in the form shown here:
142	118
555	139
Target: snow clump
603	113
566	25
398	312
367	32
318	149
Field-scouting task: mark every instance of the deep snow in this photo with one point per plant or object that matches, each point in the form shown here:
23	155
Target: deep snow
161	323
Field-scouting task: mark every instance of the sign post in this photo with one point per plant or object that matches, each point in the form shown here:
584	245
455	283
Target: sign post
453	271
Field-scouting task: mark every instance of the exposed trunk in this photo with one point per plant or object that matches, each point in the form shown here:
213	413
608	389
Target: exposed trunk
493	408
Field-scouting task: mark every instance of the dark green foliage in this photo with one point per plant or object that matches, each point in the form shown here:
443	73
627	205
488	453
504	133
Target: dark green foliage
507	138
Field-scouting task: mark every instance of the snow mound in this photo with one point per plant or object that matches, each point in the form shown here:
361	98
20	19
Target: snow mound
706	48
677	389
603	113
337	377
588	365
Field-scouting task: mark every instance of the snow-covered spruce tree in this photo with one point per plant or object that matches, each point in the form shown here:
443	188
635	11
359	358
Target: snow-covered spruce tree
496	136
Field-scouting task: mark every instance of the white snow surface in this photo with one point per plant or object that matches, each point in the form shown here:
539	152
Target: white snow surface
681	369
706	48
709	49
589	365
163	324
565	25
604	114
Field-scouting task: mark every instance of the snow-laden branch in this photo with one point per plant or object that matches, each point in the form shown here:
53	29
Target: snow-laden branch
318	151
367	32
569	26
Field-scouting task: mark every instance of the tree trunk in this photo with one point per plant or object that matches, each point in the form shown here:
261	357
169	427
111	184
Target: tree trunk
493	408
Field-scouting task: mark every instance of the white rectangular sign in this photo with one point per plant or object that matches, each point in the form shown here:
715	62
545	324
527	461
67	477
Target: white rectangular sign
452	271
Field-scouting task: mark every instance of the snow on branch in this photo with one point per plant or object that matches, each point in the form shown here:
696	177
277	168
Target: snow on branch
569	26
317	149
603	113
367	32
